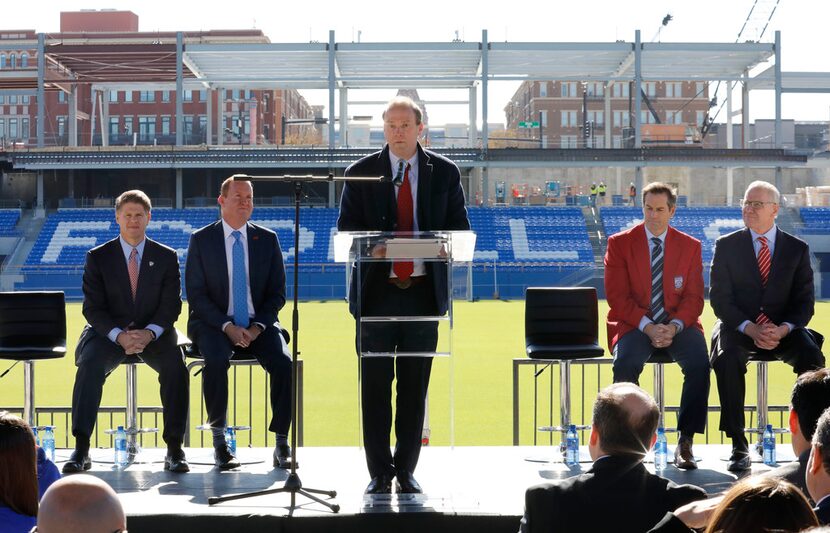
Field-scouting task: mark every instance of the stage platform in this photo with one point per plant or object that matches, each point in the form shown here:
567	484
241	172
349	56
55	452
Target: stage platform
465	488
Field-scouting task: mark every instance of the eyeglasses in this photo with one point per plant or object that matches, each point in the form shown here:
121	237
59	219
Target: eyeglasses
755	205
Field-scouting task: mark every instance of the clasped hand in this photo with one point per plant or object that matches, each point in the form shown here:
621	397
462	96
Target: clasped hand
661	335
766	336
134	341
242	337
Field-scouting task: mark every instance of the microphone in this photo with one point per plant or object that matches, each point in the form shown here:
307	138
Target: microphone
398	180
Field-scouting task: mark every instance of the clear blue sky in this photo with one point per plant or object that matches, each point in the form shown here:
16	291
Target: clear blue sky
803	24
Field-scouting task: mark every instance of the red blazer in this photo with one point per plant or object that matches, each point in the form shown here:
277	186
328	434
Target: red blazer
628	280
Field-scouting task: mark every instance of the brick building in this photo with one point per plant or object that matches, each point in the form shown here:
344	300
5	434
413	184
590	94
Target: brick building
133	90
559	108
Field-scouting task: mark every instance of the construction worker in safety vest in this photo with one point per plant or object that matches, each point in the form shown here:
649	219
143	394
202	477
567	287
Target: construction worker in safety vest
602	190
594	191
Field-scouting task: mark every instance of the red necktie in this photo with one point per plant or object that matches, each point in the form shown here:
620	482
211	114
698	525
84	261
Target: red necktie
404	269
132	268
764	262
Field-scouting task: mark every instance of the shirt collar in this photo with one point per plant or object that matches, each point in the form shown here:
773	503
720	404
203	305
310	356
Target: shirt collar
127	248
394	160
650	236
770	235
227	229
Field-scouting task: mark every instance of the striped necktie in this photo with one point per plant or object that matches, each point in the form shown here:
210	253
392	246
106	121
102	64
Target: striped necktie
764	263
657	311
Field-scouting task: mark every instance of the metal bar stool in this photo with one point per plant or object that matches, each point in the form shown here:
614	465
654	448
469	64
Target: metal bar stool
658	358
561	325
190	350
32	328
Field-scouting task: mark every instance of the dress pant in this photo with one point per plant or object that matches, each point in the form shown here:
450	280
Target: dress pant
688	349
269	348
801	349
411	374
97	357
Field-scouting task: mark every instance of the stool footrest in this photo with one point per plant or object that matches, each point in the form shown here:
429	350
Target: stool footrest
205	427
760	431
561	428
132	431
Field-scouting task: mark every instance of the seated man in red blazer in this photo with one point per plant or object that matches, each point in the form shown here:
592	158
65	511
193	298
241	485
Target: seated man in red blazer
654	287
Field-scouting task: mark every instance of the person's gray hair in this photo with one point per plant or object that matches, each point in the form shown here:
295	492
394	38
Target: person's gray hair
767	186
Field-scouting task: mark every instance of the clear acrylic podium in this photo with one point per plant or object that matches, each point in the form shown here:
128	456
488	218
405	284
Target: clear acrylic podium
439	251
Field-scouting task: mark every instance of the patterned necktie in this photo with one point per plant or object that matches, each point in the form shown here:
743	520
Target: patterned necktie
764	262
658	313
132	268
404	269
240	284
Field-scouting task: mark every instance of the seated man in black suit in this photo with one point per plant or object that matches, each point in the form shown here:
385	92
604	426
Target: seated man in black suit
762	293
132	297
618	493
810	397
818	468
235	280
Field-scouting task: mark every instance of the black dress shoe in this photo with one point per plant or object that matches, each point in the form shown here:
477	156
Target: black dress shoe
282	456
175	461
683	456
224	459
380	485
78	462
406	484
739	461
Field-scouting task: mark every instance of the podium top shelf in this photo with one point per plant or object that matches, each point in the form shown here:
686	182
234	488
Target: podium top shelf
384	246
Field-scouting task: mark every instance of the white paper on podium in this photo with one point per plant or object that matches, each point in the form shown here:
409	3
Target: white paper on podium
413	248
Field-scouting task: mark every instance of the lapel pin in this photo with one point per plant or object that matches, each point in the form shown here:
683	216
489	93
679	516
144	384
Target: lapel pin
151	263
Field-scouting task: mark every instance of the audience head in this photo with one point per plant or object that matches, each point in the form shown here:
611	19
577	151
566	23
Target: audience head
810	397
625	419
236	200
762	503
818	465
760	206
132	213
18	465
80	504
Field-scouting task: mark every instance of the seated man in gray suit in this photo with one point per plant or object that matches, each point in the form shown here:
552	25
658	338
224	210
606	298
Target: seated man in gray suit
627	496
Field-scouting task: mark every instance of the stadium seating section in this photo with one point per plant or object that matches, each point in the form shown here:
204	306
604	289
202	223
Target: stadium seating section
816	221
8	221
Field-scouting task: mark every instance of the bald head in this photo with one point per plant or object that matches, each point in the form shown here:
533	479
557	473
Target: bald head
80	504
625	419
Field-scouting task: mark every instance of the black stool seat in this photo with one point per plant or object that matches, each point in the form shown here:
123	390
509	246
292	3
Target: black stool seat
564	351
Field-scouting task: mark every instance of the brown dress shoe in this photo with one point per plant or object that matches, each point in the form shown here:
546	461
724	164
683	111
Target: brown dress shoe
683	456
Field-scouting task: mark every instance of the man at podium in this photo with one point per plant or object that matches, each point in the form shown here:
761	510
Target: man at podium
425	195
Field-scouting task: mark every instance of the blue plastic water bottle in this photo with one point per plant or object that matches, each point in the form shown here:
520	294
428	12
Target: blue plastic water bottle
230	437
121	459
572	446
769	446
37	436
661	450
49	443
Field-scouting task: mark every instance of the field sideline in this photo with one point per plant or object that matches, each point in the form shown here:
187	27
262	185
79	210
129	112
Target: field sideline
488	335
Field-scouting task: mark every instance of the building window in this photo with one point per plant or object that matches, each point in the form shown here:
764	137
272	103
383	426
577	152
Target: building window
621	90
165	96
113	96
543	88
24	99
61	97
2	99
13	128
674	89
699	118
2	129
568	141
128	96
616	141
128	126
165	125
24	60
674	117
700	89
595	89
647	118
12	99
202	95
650	87
544	118
597	117
568	119
147	128
188	95
114	126
146	96
2	61
621	119
13	61
544	141
568	89
61	126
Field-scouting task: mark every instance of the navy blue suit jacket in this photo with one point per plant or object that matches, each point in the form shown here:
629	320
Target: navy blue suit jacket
736	293
108	300
373	207
206	276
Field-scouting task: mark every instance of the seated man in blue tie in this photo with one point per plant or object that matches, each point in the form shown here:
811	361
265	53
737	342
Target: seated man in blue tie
235	280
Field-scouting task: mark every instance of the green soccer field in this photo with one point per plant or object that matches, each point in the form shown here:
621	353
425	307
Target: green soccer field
488	335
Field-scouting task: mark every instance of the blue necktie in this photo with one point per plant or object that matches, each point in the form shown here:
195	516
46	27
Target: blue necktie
240	284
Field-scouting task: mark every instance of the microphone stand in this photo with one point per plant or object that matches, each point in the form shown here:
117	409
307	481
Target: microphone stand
293	484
